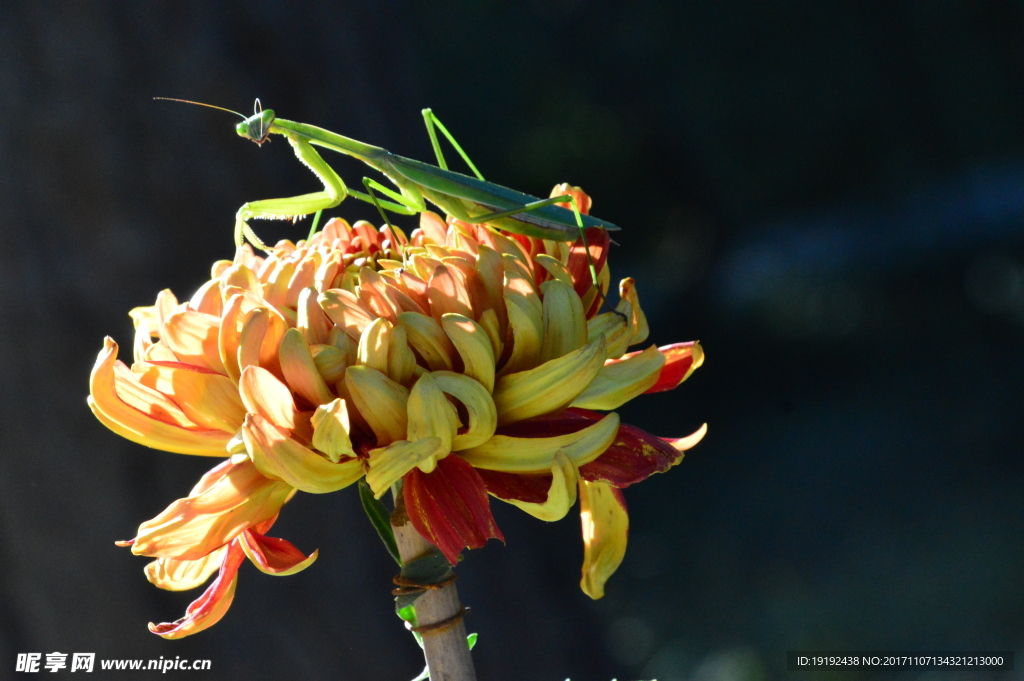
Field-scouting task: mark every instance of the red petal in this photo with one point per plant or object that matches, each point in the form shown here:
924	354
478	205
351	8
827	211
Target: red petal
678	360
598	240
635	455
530	488
449	507
274	555
568	421
209	608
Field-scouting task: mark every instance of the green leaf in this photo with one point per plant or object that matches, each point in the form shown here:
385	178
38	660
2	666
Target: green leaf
471	640
380	518
424	675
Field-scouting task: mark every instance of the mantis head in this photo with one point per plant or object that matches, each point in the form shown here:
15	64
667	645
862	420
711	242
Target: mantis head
257	126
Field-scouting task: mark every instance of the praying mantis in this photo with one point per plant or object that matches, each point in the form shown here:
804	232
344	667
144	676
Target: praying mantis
470	199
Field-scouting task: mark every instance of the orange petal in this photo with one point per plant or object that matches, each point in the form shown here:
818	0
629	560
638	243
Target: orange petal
209	399
681	360
192	336
264	394
605	531
345	310
173	574
274	556
139	427
209	608
381	401
301	371
279	457
238	496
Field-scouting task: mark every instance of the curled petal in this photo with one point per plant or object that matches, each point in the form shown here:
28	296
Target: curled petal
447	293
428	339
264	394
630	306
449	507
549	387
401	361
209	608
579	266
192	336
605	531
614	330
474	347
279	457
635	455
431	415
174	574
312	322
331	429
565	326
140	427
526	328
345	310
374	343
621	380
235	497
381	401
274	556
561	494
532	488
483	415
388	465
555	268
207	398
537	454
301	371
681	360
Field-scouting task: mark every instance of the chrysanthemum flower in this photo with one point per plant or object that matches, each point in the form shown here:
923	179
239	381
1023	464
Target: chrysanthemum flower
463	362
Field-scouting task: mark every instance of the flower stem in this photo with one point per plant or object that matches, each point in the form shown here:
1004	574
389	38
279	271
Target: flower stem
445	647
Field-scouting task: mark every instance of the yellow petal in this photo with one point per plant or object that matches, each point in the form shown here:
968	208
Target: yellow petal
387	465
207	299
537	454
312	322
381	401
428	339
555	268
262	393
331	428
431	414
605	531
491	325
139	427
300	370
613	327
345	310
192	336
173	574
619	382
236	499
208	399
637	318
483	415
561	496
276	290
473	345
550	387
526	327
260	338
565	322
373	345
402	367
279	457
330	362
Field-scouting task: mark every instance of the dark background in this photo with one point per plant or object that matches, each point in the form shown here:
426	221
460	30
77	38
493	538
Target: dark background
830	196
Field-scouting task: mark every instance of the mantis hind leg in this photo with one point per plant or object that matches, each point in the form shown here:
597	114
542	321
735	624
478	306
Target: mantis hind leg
433	122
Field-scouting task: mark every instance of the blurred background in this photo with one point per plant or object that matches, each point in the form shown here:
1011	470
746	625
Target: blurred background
829	196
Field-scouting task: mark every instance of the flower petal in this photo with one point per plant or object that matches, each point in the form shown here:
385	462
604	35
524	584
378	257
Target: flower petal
274	556
264	394
620	380
431	415
300	370
549	387
139	427
565	326
279	457
174	574
483	415
207	398
374	343
537	454
605	531
345	310
312	322
388	465
209	608
631	308
192	336
474	347
532	488
681	360
236	497
380	401
428	339
331	430
449	507
561	494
